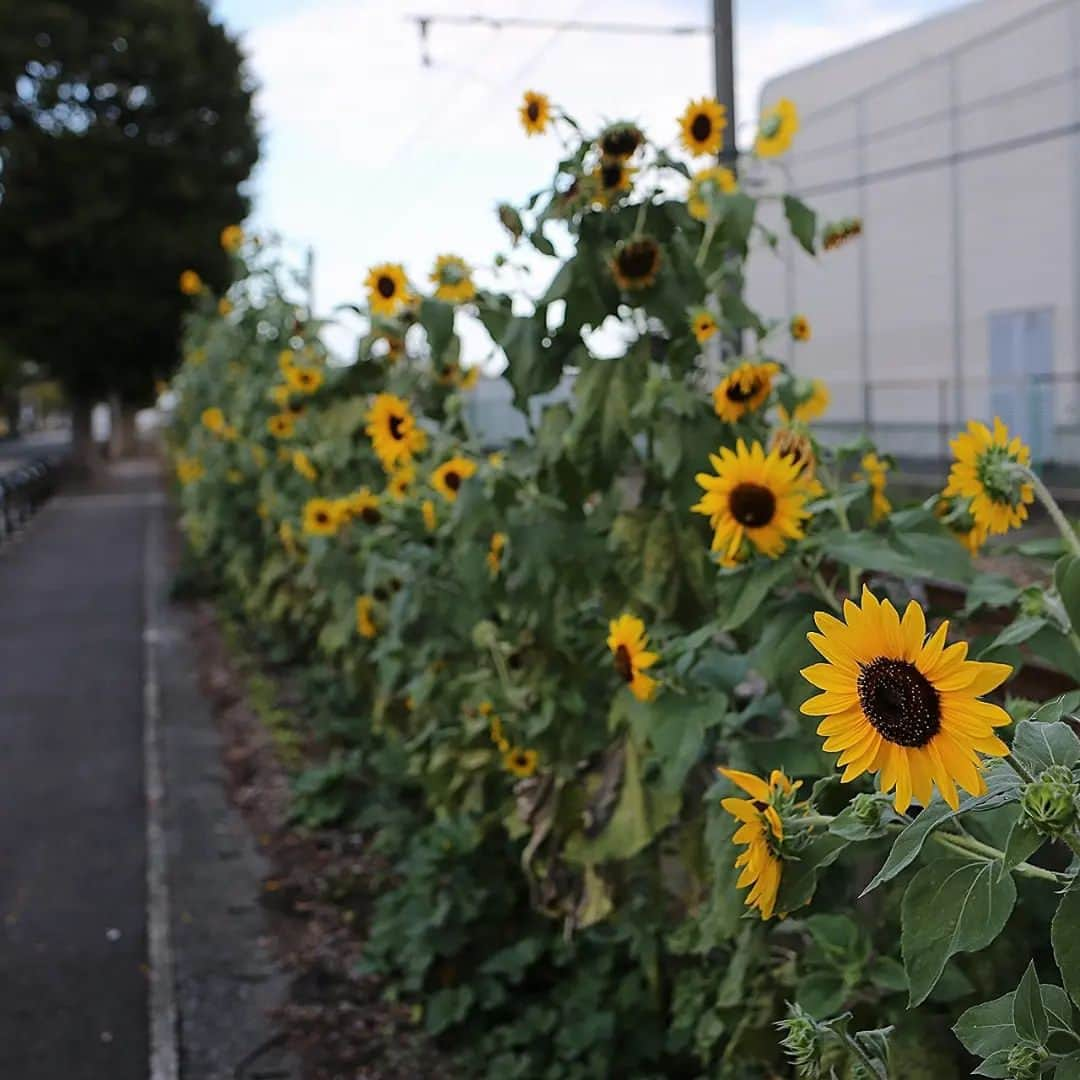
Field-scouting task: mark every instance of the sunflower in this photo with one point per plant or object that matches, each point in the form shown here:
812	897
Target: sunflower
811	407
754	496
874	470
903	705
304	379
365	622
744	390
393	345
224	307
321	517
452	278
401	479
448	477
535	112
190	283
797	447
628	643
703	324
620	142
990	470
956	516
362	504
706	188
610	180
303	465
521	762
188	470
776	129
761	830
799	328
281	425
495	553
635	263
232	237
393	431
703	123
427	511
213	419
388	288
286	361
258	455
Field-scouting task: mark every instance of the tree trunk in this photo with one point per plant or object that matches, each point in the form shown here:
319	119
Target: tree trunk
13	413
85	459
122	436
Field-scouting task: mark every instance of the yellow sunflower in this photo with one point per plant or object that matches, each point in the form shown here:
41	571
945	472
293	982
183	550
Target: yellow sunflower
365	617
448	477
304	379
190	283
521	762
628	643
362	504
304	466
797	447
610	180
427	510
755	497
188	470
281	425
452	277
258	455
703	123
400	481
636	263
393	431
388	288
213	419
811	407
321	517
776	129
874	470
535	112
744	390
990	469
903	705
495	553
799	328
286	360
703	324
279	395
706	188
232	237
761	831
958	520
620	142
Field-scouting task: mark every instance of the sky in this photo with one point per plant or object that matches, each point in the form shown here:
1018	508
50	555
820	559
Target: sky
371	156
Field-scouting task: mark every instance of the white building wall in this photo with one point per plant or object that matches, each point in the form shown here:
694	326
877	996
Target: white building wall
957	142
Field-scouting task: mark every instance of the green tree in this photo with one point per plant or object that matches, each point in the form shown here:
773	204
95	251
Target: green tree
126	136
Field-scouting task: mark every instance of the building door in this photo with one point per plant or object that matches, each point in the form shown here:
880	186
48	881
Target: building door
1021	366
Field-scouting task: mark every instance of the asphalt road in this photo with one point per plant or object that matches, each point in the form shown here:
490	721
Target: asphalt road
73	986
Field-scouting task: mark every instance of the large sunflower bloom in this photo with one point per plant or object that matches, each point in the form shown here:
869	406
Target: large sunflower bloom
535	112
903	705
635	263
744	390
755	497
989	471
706	188
392	429
449	476
761	830
452	278
321	517
778	126
628	643
388	288
703	123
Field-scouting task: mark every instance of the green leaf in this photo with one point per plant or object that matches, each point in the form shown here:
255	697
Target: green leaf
1067	582
799	879
802	220
991	590
986	1028
745	589
996	1065
1065	937
1018	631
950	907
541	243
437	318
1023	842
1040	745
1029	1016
1068	1068
822	993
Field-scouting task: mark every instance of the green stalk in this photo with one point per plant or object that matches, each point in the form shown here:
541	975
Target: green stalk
706	242
1059	519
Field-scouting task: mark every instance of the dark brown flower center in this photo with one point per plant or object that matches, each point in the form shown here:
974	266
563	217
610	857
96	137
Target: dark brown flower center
453	480
611	175
322	517
395	424
623	664
742	390
370	515
521	760
637	260
621	142
752	505
532	111
899	701
386	286
701	128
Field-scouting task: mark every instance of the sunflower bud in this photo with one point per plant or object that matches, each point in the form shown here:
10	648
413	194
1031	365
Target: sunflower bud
867	809
485	635
1033	602
510	220
1025	1060
795	446
1050	803
801	1042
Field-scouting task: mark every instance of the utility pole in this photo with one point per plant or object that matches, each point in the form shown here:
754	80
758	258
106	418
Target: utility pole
723	25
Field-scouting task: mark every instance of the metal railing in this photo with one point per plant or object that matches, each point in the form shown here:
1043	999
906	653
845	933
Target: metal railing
23	490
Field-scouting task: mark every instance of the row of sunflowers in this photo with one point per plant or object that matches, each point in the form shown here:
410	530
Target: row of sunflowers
655	711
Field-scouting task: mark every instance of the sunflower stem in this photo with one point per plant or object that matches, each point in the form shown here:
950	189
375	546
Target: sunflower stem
1056	515
1019	768
826	590
833	484
706	243
639	221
